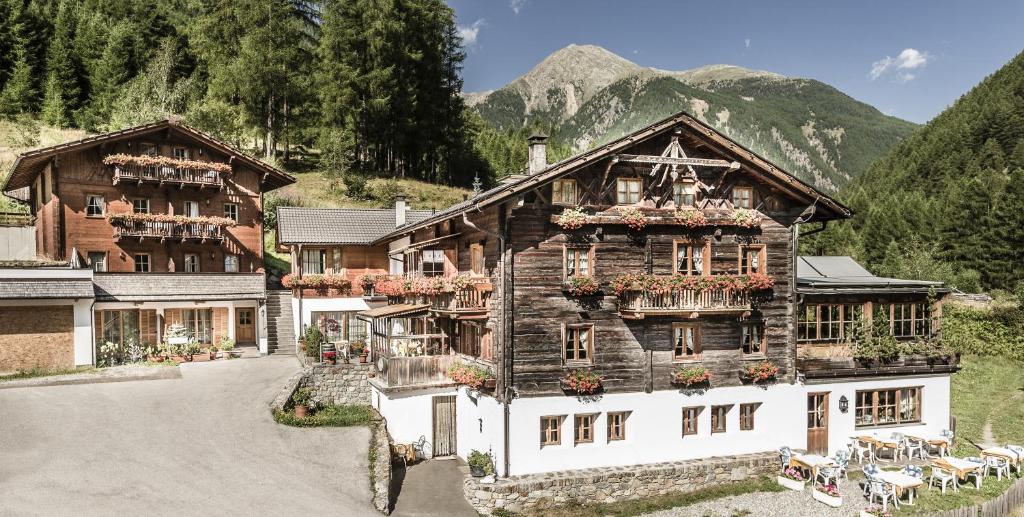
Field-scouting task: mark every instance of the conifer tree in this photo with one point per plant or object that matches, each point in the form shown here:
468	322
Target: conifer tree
63	80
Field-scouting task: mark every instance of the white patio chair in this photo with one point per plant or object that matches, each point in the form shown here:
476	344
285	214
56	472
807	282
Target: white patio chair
826	474
943	477
901	443
1019	451
870	471
878	489
978	473
785	454
913	471
842	459
948	435
912	445
862	450
999	465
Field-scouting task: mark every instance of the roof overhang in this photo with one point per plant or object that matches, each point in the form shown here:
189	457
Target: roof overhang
422	244
393	311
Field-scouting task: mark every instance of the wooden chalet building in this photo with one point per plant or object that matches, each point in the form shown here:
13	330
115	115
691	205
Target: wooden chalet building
681	260
170	221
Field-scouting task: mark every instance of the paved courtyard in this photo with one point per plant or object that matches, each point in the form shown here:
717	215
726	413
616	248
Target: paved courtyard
204	444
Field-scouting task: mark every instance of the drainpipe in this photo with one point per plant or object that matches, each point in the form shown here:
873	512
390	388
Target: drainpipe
299	331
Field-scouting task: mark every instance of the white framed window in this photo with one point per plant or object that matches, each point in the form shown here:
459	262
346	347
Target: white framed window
148	149
142	263
140	205
627	191
190	209
432	262
743	197
191	263
577	261
563	192
231	211
98	261
230	263
684	193
314	262
180	153
95	205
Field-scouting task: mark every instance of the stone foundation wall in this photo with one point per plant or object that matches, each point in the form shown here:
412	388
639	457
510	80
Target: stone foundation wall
339	384
613	484
380	468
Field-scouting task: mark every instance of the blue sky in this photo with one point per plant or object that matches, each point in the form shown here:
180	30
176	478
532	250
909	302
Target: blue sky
910	59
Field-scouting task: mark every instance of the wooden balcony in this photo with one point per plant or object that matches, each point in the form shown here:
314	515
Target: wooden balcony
163	174
830	360
402	372
464	303
638	304
163	230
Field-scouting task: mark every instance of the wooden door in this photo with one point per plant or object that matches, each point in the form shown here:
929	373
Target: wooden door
245	325
444	426
817	423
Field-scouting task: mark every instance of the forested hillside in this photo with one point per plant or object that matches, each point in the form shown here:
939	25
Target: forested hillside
352	88
948	202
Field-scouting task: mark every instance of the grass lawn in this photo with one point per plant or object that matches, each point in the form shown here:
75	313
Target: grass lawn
273	259
313	189
664	502
40	372
328	416
988	388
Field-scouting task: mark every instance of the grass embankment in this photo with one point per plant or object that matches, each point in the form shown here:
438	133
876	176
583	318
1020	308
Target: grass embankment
41	372
316	190
328	416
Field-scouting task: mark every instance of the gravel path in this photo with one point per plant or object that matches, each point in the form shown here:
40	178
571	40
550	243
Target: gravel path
774	504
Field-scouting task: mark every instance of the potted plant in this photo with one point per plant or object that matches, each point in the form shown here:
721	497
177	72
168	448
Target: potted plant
745	218
190	350
572	219
690	376
792	479
313	338
690	218
300	400
581	286
760	372
331	357
828	494
212	349
633	218
582	381
875	511
471	376
480	464
226	346
358	348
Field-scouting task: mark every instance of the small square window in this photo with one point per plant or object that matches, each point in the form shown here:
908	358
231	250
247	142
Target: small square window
180	153
617	426
690	415
191	263
142	263
627	191
95	205
563	192
140	205
577	261
578	345
718	417
231	211
98	261
148	149
753	338
684	193
743	197
747	416
585	428
551	430
230	263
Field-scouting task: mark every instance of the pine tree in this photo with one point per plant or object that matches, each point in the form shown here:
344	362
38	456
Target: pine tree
18	93
110	72
8	43
63	81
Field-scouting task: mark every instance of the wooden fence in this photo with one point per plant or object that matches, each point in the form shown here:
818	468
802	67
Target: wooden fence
1002	506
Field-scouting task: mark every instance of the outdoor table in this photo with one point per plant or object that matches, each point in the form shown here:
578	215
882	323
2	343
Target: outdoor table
881	443
901	483
1000	452
936	441
958	466
811	462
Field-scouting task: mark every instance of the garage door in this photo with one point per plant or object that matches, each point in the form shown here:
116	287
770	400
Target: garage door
36	337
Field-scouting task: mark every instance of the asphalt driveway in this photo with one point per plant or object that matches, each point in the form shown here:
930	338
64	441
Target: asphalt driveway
204	444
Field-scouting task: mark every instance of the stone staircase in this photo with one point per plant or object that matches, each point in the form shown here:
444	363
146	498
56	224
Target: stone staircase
280	322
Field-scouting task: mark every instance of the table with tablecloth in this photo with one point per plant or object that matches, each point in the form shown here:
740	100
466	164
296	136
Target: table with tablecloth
880	442
958	466
811	462
901	483
1004	453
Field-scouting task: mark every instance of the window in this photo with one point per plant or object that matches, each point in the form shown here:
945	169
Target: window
180	153
563	192
752	259
747	416
753	338
692	258
148	149
142	263
550	430
684	193
584	429
827	322
476	259
902	320
686	341
742	197
140	205
330	323
470	338
199	323
889	406
718	417
191	263
577	261
851	317
432	263
617	426
922	319
98	260
231	211
627	191
120	326
95	206
314	262
230	263
690	415
577	345
190	209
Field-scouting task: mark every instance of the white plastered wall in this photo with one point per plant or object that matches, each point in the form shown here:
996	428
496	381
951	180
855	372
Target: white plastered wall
409	415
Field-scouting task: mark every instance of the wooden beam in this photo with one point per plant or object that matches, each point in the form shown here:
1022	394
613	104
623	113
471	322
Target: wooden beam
669	160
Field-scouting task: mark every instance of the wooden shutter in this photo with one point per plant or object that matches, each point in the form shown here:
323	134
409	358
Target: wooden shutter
220	323
147	326
451	262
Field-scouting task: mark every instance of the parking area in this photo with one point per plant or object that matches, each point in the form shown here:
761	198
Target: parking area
204	444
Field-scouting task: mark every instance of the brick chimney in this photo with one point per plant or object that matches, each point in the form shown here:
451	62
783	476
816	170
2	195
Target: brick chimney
400	209
538	152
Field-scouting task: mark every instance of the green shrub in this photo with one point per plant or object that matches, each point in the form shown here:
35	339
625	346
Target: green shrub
328	416
302	397
991	332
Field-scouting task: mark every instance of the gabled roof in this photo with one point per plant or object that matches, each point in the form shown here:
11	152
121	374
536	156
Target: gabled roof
343	226
826	207
30	163
832	274
139	287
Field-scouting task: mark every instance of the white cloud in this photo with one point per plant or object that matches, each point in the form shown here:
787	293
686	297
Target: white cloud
517	5
746	43
469	33
908	59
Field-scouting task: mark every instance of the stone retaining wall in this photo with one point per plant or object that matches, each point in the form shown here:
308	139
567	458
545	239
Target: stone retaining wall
613	484
380	468
339	384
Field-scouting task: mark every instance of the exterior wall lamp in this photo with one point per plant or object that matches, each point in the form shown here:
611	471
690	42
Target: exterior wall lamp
844	404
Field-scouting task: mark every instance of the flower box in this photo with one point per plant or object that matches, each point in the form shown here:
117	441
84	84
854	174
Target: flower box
791	484
581	286
582	382
833	501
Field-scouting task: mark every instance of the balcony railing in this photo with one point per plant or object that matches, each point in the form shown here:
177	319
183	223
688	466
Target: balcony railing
164	230
413	371
473	299
836	360
167	174
638	303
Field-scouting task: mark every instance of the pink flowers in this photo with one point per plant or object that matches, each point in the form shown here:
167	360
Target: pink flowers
745	218
328	281
633	218
582	381
691	375
691	218
670	283
760	372
165	161
830	490
581	286
572	219
468	375
793	474
169	218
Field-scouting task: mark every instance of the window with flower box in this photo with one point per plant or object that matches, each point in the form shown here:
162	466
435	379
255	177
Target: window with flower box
551	430
719	414
628	190
584	429
691	258
743	197
827	322
747	416
690	418
753	258
577	344
140	205
199	322
563	192
906	319
432	262
577	261
684	193
685	341
888	406
752	340
314	262
617	426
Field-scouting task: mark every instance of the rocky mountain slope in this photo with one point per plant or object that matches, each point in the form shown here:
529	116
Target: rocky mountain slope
585	95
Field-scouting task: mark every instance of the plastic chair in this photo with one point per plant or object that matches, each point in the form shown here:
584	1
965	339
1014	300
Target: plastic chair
943	477
911	445
914	471
825	474
877	489
979	473
1019	451
948	435
842	459
870	471
999	465
901	443
861	450
785	454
